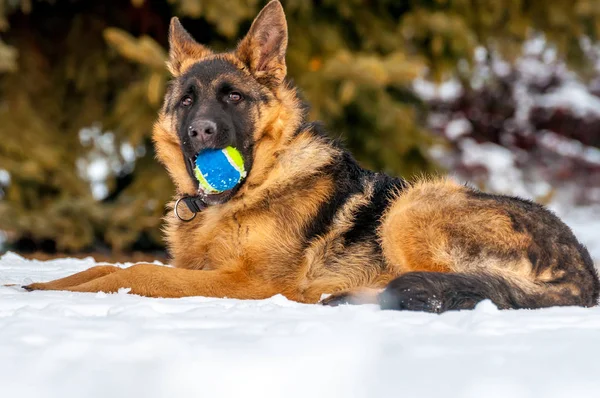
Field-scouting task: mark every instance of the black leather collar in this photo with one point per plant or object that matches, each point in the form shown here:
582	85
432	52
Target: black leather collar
194	203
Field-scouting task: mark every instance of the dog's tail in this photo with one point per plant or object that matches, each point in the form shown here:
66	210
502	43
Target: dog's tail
438	292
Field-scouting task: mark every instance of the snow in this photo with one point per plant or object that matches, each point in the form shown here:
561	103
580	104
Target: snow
4	177
4	182
504	176
59	344
457	128
573	96
104	158
428	90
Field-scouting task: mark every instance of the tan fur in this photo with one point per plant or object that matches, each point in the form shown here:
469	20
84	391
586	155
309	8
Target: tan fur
253	246
432	214
77	279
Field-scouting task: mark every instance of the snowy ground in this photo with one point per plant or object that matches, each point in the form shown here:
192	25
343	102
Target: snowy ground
58	344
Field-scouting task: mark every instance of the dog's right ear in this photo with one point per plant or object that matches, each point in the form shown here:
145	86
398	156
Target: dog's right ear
264	46
183	49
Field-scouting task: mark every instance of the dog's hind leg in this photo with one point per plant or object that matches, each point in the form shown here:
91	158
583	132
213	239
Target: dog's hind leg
362	295
454	247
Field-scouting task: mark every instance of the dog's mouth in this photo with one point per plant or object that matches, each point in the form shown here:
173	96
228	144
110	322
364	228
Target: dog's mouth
209	197
191	166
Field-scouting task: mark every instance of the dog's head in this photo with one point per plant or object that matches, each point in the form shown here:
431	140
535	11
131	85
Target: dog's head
215	100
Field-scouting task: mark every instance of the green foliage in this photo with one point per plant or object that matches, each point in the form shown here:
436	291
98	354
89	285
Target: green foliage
65	66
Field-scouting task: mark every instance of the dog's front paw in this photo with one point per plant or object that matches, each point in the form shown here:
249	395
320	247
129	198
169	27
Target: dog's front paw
35	286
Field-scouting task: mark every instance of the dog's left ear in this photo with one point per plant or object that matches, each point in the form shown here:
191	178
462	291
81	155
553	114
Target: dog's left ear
263	49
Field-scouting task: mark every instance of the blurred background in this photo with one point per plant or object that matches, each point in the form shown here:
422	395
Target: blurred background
504	94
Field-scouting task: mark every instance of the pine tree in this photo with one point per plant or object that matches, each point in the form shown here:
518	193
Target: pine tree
81	83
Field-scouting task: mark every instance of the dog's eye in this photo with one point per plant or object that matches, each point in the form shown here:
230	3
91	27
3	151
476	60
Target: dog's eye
186	101
234	96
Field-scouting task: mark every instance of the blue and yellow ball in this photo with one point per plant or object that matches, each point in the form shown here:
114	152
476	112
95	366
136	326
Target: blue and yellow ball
219	170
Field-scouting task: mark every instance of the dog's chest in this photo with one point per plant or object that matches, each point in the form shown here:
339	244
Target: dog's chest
236	239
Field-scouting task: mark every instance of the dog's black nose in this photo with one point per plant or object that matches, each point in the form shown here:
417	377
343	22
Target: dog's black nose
201	128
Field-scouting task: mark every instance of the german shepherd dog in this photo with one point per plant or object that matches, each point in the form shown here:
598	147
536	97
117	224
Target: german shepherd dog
308	220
